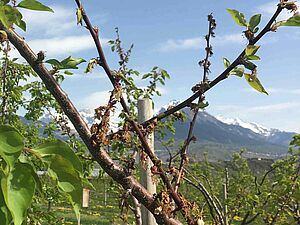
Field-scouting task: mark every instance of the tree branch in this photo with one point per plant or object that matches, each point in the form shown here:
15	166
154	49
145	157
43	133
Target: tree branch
101	156
221	77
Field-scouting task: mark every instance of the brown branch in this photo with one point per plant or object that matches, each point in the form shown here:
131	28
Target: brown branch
158	163
206	64
101	156
221	77
211	203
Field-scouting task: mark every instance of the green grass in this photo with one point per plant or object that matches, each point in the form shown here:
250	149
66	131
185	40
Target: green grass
100	211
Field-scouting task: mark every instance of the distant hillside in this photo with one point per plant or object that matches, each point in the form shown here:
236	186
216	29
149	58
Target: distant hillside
221	137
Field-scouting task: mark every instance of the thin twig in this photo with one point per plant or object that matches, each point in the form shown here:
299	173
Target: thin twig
103	63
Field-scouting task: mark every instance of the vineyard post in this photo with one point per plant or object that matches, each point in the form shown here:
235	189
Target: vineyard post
145	112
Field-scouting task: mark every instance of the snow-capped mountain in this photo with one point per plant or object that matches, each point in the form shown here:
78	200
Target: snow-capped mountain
256	128
231	132
225	133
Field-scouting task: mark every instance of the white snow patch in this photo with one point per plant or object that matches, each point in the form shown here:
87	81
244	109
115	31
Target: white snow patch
256	128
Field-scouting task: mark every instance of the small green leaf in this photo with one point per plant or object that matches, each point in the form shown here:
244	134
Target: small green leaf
252	57
145	76
21	24
255	83
67	72
226	62
67	63
90	66
292	21
11	144
53	62
8	15
71	63
249	65
254	21
256	29
165	74
238	17
34	5
251	49
18	189
237	72
203	105
79	16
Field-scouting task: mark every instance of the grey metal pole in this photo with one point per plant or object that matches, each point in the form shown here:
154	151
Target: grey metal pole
145	112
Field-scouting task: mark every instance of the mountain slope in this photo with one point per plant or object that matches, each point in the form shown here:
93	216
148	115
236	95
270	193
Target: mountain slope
228	135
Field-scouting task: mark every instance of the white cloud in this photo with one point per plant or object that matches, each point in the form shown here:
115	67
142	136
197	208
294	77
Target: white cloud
229	39
273	108
95	99
50	24
61	22
63	45
183	44
197	42
56	33
257	110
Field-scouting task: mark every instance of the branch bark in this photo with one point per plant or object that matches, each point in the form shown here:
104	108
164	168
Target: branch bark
101	156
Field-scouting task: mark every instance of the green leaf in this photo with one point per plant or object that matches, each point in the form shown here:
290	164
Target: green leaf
292	21
90	66
79	16
251	49
71	63
226	62
5	216
34	5
53	62
255	83
165	74
58	147
18	190
8	15
68	180
249	65
18	21
145	76
237	72
254	21
21	24
65	167
11	144
67	72
256	29
67	63
253	57
238	17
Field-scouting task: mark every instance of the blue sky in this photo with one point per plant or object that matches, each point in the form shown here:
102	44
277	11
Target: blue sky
170	34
